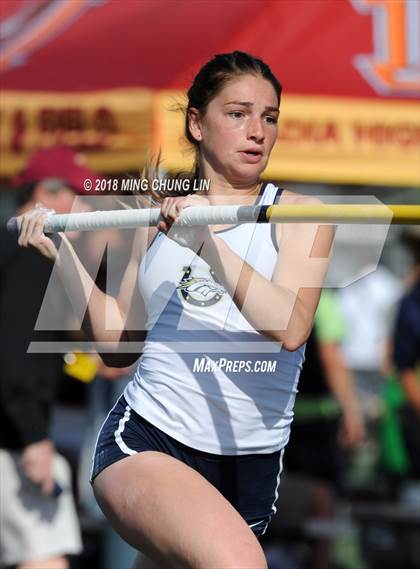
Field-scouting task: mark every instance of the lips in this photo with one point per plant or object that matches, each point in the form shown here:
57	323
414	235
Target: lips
251	156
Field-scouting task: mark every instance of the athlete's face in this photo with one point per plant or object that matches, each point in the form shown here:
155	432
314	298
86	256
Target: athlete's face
238	130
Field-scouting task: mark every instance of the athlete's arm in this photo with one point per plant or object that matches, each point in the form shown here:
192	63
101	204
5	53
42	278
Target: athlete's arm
115	322
302	263
283	308
106	317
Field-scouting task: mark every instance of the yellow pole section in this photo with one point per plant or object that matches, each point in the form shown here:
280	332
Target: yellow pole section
345	213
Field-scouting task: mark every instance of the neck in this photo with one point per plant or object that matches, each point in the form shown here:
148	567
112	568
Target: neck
231	195
223	191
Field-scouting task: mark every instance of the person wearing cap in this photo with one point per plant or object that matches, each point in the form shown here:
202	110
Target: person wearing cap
58	167
37	516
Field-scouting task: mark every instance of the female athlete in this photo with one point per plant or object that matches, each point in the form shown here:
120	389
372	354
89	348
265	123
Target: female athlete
188	461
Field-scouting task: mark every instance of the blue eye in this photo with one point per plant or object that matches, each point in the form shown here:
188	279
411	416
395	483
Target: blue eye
271	120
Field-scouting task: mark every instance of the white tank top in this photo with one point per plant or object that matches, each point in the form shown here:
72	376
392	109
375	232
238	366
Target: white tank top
206	377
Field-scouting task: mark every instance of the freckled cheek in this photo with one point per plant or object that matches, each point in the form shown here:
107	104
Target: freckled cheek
224	141
239	126
234	139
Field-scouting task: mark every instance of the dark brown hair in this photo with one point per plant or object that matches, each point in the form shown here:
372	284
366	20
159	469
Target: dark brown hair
214	75
208	82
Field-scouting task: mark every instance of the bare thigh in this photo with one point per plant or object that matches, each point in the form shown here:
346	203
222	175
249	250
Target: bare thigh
172	514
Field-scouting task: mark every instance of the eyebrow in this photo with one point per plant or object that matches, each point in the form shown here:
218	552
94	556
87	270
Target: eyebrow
249	104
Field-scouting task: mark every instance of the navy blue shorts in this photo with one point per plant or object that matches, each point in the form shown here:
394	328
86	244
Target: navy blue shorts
249	482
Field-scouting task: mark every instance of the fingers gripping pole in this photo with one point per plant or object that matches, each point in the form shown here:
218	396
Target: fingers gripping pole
230	215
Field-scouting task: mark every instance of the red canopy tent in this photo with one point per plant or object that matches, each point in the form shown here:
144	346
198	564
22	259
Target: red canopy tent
100	75
160	43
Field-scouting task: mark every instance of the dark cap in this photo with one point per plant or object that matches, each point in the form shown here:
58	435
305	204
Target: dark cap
61	162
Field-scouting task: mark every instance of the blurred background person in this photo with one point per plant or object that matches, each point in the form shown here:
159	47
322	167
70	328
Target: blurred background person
37	513
328	421
329	413
406	358
368	307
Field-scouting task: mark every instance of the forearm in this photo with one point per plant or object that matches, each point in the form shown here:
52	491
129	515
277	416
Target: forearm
269	308
98	313
339	378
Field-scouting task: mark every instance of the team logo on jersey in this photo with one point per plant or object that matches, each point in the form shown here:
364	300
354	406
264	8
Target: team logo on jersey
200	291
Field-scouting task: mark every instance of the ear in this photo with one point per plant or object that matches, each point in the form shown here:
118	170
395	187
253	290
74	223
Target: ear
194	124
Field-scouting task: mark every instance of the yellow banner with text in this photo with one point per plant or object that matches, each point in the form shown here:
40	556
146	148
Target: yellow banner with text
321	139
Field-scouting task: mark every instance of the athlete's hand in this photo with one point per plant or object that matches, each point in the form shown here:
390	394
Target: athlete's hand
191	237
31	234
37	464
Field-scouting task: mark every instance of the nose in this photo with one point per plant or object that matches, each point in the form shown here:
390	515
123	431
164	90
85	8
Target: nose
255	130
